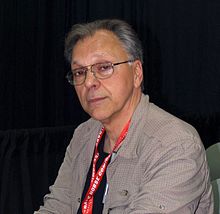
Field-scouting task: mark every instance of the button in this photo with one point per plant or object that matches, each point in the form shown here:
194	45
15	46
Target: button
109	210
162	207
79	200
124	192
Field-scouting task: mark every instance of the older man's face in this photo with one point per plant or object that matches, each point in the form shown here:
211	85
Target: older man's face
106	99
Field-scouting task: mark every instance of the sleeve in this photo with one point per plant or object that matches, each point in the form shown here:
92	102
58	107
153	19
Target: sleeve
176	181
58	201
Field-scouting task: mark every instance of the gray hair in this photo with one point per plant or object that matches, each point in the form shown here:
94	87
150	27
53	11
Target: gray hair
123	31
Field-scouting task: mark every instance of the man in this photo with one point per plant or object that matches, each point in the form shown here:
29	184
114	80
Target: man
131	156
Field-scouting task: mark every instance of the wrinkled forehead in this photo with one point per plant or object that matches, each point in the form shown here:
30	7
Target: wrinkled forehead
101	43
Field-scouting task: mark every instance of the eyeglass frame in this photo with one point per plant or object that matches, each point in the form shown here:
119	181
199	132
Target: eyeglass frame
69	75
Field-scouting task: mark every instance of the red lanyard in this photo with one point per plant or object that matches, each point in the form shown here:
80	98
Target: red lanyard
96	178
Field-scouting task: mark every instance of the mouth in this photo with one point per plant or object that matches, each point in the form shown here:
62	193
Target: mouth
96	100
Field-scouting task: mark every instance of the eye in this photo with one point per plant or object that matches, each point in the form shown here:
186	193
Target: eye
79	72
104	67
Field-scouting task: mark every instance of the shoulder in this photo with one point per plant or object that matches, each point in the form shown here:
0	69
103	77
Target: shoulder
156	130
164	133
168	129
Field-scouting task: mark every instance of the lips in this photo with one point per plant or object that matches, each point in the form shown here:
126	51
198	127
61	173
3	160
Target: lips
95	99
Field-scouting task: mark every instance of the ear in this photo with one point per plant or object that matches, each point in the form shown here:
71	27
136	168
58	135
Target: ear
138	73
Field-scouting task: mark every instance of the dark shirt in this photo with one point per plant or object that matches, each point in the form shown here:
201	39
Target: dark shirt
98	196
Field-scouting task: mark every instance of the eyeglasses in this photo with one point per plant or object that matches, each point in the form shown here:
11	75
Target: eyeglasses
102	70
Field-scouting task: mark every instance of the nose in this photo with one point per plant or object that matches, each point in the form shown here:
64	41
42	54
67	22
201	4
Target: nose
91	80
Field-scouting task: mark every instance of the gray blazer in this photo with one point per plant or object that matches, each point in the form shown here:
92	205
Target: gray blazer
160	168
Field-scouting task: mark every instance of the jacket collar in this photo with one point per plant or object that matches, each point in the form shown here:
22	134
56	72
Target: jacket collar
129	146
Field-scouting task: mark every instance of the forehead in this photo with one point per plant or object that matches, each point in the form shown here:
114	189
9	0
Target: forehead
100	36
102	43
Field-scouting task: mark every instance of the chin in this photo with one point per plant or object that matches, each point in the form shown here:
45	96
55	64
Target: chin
99	116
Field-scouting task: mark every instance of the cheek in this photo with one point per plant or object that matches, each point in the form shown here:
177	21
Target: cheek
123	84
80	95
119	90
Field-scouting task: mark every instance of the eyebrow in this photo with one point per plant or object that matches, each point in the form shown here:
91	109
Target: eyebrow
82	66
76	63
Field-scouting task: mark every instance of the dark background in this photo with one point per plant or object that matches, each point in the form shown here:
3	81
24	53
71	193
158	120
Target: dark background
39	110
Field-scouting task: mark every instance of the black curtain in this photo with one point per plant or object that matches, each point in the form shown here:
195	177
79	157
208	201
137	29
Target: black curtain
29	161
181	41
